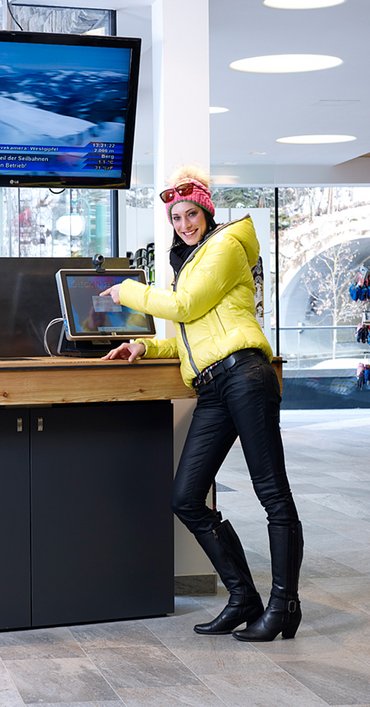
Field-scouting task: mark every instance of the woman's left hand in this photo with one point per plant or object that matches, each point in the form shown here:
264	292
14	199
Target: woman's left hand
113	292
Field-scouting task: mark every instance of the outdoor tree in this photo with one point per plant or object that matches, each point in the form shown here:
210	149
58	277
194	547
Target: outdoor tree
327	278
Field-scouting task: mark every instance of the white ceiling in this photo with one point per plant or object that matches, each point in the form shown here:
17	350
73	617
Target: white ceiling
264	107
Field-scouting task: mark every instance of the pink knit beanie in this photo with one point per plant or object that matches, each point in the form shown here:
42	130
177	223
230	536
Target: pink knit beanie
187	189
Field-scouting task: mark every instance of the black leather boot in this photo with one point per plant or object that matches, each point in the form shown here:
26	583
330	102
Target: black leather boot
283	613
226	553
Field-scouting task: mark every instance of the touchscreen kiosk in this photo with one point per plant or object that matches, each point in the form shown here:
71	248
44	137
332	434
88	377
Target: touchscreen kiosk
87	316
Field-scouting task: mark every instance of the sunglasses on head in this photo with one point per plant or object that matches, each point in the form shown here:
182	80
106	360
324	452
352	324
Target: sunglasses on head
185	189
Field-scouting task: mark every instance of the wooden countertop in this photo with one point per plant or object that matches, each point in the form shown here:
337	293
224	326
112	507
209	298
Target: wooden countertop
59	380
46	381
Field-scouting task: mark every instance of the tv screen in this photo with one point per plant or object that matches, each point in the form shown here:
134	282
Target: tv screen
67	109
87	315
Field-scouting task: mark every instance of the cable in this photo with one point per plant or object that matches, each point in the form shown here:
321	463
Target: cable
53	321
12	16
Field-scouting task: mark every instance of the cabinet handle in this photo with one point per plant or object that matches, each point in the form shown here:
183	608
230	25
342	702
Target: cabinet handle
19	424
40	424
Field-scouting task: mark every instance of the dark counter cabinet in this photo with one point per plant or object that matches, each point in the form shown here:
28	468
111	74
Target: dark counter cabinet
15	521
86	528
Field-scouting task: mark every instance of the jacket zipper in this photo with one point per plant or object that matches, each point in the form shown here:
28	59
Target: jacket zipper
187	346
188	259
182	325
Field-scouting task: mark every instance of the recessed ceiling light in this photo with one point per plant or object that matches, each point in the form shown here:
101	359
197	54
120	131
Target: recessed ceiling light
301	4
315	139
224	178
218	109
286	63
337	101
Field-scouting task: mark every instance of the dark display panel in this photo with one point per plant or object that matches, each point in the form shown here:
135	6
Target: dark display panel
67	109
29	301
88	315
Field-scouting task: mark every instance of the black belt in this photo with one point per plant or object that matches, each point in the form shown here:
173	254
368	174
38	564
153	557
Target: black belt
215	369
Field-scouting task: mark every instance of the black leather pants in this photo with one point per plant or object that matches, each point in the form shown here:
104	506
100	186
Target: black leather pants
244	401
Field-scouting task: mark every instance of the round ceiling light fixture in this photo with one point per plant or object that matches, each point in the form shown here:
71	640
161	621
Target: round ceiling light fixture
218	109
315	139
70	224
286	63
301	4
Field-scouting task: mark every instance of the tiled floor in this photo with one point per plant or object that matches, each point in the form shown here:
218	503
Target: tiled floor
162	662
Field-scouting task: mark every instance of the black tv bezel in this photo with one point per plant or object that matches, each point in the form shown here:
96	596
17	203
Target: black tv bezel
71	332
65	182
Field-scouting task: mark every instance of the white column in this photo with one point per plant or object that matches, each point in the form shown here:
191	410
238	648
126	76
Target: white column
180	103
181	136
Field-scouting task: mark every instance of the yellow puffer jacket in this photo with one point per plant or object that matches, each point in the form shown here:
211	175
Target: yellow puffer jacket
212	303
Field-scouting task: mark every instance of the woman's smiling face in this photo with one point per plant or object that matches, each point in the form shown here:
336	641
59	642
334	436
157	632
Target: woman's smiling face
189	222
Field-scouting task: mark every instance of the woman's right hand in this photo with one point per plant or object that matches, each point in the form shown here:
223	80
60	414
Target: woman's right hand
127	351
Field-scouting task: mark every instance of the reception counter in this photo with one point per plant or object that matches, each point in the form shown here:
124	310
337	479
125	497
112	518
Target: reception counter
57	380
86	530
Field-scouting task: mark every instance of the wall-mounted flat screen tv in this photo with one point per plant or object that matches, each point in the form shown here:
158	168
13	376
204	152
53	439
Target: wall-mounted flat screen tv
67	109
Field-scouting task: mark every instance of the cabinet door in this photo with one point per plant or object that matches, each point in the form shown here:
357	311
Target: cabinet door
102	529
15	586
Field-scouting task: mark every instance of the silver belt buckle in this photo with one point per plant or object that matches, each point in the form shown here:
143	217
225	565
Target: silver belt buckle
207	376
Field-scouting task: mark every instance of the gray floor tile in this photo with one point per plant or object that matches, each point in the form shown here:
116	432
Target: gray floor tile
340	682
9	695
263	689
42	643
120	633
146	666
191	695
59	680
109	703
217	654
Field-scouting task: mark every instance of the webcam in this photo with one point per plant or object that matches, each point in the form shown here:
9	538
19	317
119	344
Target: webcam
98	262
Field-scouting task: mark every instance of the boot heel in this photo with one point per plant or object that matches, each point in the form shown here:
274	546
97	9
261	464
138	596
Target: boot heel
294	620
276	619
290	631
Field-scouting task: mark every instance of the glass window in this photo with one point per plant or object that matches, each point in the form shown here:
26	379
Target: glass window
72	20
324	245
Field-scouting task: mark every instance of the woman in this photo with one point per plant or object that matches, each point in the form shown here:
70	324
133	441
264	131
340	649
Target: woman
225	356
